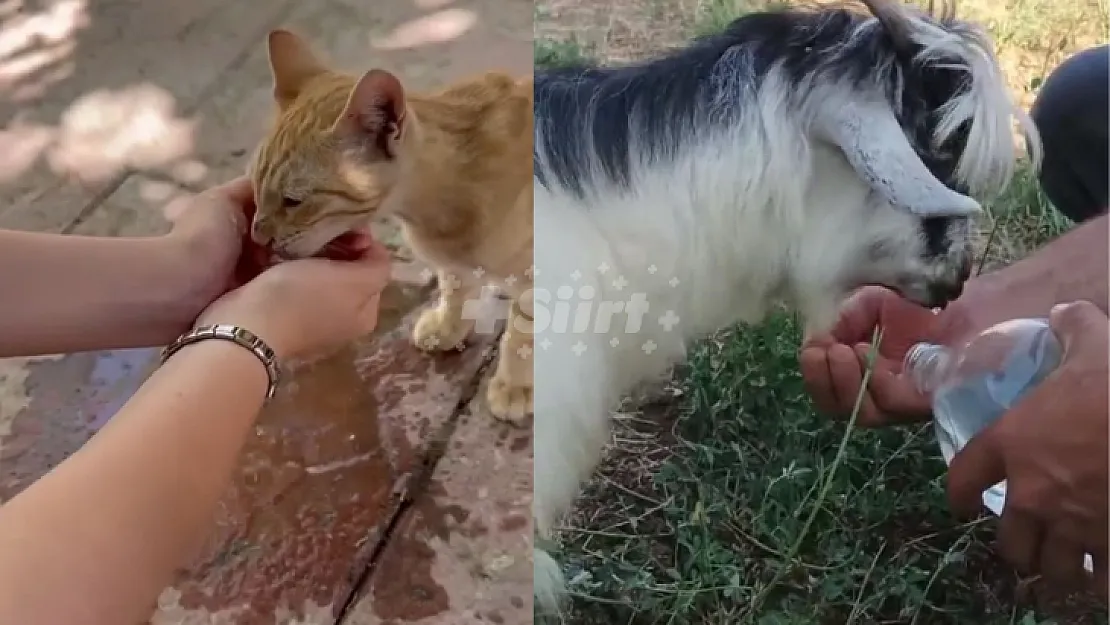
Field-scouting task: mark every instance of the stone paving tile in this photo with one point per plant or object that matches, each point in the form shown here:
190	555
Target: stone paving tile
462	554
114	89
134	210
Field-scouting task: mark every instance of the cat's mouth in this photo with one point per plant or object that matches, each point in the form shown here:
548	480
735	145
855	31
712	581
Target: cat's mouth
350	245
256	257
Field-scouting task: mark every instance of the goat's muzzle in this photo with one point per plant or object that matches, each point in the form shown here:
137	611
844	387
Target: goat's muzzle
948	286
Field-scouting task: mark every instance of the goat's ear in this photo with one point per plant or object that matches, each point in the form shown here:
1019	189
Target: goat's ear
875	145
376	114
292	64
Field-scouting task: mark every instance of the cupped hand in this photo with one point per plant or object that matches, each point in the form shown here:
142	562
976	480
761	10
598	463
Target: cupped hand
208	231
833	364
303	306
1052	449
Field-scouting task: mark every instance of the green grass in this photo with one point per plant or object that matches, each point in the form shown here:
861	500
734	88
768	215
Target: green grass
1020	221
728	512
547	53
725	499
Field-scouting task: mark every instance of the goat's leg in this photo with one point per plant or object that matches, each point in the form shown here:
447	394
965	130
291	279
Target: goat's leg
571	428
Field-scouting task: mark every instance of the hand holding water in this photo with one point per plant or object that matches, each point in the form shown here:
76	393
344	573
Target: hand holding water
1052	450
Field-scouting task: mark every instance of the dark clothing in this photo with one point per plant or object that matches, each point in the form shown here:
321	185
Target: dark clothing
1071	112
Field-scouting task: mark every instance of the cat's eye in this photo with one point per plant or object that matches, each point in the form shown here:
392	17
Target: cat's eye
288	202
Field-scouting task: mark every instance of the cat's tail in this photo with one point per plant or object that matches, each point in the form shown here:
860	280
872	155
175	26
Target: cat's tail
570	430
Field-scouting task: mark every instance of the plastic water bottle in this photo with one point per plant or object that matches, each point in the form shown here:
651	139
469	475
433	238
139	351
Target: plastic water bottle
974	384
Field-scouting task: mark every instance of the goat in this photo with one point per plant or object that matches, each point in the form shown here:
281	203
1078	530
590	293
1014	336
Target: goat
790	159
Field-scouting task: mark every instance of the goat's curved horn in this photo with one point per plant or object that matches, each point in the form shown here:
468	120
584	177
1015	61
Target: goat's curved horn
894	22
877	149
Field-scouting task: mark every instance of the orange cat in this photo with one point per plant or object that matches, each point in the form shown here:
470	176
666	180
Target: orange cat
453	166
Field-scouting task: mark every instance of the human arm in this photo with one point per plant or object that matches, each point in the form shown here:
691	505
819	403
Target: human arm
1070	268
67	293
71	293
96	539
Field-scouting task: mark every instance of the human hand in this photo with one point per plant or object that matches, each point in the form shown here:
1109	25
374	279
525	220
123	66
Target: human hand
302	306
1052	449
833	364
207	236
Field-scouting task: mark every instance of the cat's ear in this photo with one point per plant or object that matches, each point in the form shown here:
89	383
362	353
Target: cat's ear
292	64
376	113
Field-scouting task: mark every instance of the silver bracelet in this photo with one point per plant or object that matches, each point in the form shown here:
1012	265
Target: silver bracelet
237	335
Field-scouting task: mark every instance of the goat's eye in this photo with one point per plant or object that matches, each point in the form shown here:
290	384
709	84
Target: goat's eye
288	202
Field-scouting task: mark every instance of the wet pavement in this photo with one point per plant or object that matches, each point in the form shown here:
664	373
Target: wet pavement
376	490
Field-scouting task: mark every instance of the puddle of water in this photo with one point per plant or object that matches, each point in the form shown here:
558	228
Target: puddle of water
69	400
119	374
72	397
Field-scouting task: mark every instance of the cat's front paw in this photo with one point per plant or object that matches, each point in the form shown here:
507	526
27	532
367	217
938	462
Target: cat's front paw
508	400
436	332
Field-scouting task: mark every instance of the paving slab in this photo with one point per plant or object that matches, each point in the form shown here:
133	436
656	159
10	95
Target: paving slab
135	209
462	554
92	89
